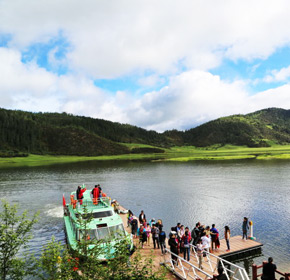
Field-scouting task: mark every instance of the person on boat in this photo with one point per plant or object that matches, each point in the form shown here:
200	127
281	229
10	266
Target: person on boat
245	228
214	237
155	236
162	238
227	237
142	216
185	239
80	194
116	206
173	247
100	190
95	192
269	270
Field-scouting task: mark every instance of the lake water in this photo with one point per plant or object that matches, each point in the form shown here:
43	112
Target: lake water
210	192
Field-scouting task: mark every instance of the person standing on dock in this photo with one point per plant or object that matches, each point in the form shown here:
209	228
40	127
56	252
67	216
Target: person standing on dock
214	237
162	238
245	228
173	247
185	240
269	270
227	237
205	242
142	216
199	252
155	236
148	231
134	227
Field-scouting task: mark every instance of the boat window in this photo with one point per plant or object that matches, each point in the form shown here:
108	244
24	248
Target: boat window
102	233
117	231
96	215
102	214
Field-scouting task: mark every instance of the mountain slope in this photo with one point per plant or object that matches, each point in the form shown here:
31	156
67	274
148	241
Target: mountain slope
256	129
64	134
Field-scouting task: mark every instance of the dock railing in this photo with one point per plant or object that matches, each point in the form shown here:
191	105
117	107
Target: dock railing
183	268
187	270
231	270
255	271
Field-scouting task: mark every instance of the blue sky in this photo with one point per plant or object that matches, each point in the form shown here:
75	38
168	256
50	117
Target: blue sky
160	65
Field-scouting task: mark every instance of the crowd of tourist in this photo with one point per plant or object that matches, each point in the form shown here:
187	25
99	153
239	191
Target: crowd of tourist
204	238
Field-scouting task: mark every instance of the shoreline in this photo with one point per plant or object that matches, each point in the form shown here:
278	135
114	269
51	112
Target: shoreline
174	154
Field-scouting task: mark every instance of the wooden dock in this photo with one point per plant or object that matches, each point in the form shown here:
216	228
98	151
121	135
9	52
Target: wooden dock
239	248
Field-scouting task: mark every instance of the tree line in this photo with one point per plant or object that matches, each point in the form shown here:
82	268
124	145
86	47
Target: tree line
22	133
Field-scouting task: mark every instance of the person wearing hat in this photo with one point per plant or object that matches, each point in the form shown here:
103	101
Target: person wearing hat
116	206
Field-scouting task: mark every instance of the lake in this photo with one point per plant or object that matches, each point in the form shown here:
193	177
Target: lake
210	192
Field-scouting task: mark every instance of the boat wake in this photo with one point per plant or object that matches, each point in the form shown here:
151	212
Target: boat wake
54	211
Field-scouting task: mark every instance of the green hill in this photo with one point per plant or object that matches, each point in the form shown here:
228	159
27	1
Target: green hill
64	134
23	133
258	129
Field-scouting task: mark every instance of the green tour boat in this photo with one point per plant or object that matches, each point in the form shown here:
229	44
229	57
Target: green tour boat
105	226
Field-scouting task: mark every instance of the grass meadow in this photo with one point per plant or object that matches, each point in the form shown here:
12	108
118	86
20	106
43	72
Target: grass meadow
178	154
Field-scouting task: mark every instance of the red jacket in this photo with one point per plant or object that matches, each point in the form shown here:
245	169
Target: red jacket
96	192
81	192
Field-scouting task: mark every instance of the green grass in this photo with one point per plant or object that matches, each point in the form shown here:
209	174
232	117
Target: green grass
178	154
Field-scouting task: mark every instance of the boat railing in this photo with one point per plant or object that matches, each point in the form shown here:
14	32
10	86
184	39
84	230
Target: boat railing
231	270
101	202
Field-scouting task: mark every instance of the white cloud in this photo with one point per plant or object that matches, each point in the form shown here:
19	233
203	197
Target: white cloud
108	39
189	99
278	75
111	39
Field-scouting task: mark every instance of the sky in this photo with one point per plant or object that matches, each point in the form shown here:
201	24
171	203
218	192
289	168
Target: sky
160	65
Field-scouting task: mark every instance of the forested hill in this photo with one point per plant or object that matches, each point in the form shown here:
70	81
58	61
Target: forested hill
65	134
258	129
